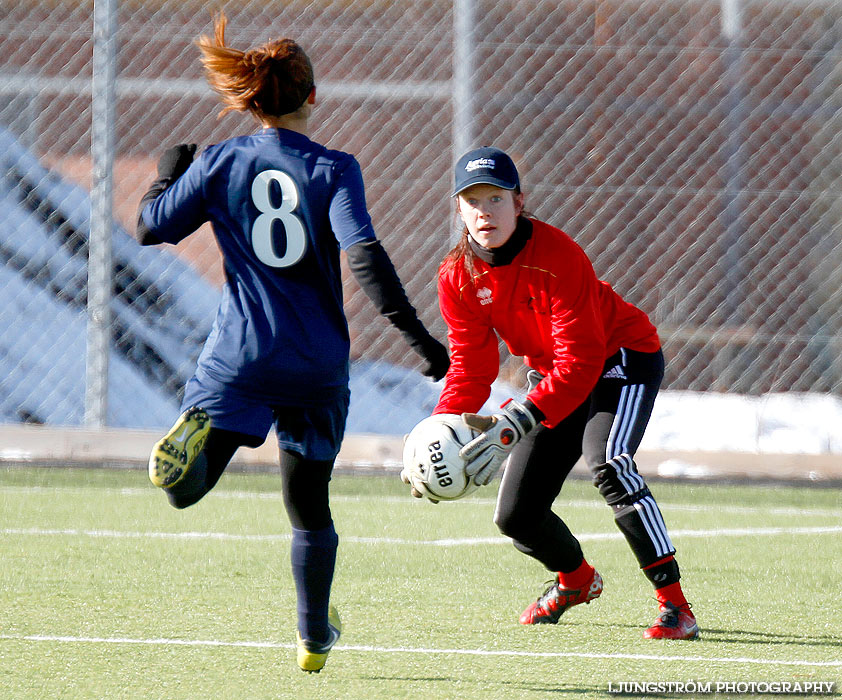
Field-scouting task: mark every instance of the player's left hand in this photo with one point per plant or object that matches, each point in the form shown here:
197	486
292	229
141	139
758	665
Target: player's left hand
174	161
498	434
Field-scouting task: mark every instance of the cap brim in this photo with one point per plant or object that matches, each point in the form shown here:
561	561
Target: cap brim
485	180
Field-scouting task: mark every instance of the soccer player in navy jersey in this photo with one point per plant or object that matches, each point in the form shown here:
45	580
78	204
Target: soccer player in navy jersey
281	207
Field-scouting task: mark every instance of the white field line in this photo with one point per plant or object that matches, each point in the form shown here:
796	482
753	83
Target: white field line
411	650
473	500
446	542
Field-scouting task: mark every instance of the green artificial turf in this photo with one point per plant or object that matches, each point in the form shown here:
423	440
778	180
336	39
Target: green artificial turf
107	592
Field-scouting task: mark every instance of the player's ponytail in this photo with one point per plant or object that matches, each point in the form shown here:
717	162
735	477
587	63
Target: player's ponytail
268	81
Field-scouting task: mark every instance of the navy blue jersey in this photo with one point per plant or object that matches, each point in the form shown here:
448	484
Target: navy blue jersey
281	207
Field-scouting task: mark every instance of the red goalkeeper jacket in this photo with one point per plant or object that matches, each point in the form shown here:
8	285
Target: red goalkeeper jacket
549	308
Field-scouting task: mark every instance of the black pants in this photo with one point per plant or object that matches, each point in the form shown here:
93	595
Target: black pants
304	482
607	429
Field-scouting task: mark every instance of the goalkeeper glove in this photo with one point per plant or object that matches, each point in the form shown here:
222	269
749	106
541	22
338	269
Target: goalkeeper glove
407	479
499	433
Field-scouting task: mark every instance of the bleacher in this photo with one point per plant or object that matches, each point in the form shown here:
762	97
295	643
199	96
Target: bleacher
161	316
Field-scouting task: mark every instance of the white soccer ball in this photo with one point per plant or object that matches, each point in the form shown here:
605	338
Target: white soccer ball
431	458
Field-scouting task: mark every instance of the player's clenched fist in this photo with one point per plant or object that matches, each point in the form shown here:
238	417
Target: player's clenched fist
174	161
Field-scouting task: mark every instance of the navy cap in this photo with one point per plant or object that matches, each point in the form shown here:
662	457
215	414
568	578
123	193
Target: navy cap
485	166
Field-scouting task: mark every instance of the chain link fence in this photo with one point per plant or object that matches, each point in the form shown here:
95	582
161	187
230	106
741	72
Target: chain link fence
694	149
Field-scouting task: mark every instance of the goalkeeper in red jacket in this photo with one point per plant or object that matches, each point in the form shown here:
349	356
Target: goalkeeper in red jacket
595	366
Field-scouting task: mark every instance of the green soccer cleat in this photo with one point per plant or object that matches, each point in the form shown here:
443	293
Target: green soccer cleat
175	453
313	655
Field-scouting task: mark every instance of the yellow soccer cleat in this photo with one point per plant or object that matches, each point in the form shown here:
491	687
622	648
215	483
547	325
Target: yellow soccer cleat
312	655
174	454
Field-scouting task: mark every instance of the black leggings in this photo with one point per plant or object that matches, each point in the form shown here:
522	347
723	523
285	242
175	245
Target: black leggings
607	428
304	482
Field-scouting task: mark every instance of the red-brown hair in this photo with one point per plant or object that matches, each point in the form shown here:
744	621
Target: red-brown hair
268	81
461	252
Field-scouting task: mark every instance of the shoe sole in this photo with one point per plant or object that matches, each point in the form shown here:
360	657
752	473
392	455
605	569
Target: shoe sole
174	454
314	661
688	636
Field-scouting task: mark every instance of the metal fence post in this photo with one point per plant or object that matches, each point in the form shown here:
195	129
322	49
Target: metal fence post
463	76
100	275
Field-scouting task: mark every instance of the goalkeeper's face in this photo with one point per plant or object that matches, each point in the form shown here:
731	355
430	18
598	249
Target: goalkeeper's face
490	213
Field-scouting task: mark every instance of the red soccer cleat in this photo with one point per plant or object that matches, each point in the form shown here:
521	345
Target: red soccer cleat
673	623
556	600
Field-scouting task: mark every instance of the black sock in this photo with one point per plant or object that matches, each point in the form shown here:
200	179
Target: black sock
190	489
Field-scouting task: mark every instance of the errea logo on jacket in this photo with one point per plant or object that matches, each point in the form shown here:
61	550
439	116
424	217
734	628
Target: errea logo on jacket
484	295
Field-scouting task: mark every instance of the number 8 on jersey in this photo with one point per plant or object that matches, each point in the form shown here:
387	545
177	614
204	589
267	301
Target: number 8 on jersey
261	231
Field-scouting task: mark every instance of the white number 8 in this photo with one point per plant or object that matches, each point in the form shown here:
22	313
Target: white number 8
261	230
